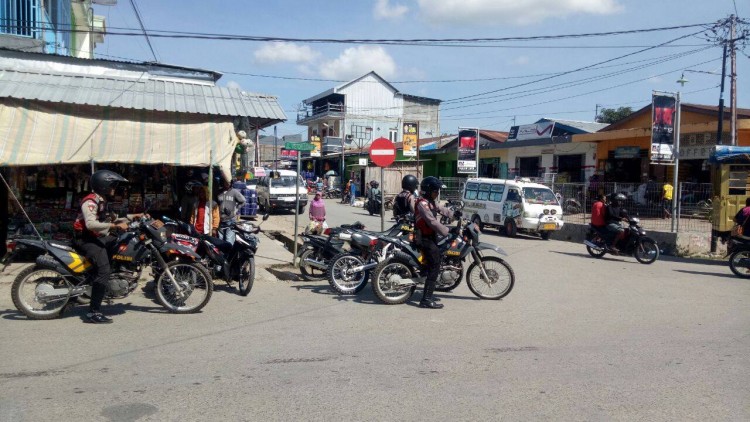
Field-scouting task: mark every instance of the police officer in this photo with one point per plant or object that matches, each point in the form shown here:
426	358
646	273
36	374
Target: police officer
92	236
429	230
404	202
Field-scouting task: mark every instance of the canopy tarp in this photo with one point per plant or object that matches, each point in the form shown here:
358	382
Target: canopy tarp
34	134
725	153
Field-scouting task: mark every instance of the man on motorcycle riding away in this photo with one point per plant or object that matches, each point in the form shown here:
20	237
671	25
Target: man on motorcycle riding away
429	231
404	202
613	215
92	230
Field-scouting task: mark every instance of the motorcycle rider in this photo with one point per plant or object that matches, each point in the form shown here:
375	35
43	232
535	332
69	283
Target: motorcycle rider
92	236
429	230
598	210
373	196
614	213
404	202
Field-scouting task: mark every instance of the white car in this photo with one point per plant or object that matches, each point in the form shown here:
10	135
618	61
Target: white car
277	190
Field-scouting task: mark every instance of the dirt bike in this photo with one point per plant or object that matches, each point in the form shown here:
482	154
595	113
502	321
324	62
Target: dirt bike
633	242
183	285
488	277
738	250
317	250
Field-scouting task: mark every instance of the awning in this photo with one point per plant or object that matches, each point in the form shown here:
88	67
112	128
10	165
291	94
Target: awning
34	134
724	154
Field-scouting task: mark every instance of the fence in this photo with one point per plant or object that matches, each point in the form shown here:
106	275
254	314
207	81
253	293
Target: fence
644	201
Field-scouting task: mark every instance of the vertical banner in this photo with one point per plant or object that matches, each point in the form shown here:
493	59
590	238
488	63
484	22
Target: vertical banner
315	140
410	139
468	146
663	117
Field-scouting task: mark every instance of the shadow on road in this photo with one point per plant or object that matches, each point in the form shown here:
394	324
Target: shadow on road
717	274
587	256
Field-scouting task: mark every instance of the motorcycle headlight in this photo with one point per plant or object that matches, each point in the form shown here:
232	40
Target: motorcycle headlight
643	232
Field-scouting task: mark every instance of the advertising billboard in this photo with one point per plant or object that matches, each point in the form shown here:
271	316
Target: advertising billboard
315	140
664	115
468	147
410	139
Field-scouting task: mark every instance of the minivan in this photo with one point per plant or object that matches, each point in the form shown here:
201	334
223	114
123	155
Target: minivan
277	189
513	205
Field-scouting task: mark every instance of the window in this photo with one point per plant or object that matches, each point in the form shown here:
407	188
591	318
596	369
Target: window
513	195
496	193
484	192
540	196
393	135
471	191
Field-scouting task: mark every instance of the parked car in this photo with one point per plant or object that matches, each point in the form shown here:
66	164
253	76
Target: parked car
276	191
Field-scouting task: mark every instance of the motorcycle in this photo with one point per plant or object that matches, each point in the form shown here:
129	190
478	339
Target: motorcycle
633	242
488	277
230	261
332	193
349	271
43	290
738	250
317	250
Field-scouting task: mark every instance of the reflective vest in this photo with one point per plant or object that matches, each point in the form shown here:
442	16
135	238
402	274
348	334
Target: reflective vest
80	224
420	222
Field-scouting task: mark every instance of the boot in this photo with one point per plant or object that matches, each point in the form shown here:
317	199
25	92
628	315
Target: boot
427	300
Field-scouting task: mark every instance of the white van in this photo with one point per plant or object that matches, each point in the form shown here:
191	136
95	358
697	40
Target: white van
277	188
515	205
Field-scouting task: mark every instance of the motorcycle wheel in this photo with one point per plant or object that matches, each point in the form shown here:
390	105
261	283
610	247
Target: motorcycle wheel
193	278
247	276
734	263
501	279
309	272
346	284
596	253
385	289
448	288
33	281
646	251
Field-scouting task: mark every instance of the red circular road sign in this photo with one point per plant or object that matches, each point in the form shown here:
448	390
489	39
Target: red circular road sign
382	152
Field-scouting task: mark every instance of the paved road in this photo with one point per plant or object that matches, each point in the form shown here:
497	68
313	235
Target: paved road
578	338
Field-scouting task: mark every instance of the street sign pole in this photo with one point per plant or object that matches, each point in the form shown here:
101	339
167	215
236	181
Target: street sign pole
382	153
382	201
296	210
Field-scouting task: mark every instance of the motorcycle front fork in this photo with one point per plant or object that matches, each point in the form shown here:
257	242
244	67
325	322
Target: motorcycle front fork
155	252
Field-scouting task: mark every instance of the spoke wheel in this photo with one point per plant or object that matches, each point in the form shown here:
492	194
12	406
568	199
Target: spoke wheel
31	292
246	276
386	284
196	285
341	277
500	278
646	251
737	266
307	271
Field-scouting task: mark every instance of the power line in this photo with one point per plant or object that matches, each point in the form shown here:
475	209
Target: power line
145	34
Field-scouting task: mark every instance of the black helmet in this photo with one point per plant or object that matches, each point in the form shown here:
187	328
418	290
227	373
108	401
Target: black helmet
430	184
410	183
104	180
619	199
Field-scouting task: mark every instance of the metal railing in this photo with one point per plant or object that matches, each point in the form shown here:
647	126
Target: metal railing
335	110
454	187
643	200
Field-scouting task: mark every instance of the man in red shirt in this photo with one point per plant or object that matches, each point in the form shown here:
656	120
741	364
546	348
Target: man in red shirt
597	212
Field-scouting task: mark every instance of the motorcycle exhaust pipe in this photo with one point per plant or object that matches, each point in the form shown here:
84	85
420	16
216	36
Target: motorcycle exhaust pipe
592	245
364	267
317	264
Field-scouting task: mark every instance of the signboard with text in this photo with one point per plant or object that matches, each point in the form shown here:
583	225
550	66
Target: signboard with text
315	141
541	130
664	115
468	147
410	139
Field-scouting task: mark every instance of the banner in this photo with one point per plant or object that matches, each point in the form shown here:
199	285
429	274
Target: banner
533	131
663	118
315	140
410	138
468	140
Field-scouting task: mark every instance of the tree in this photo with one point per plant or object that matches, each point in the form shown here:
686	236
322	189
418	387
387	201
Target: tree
610	115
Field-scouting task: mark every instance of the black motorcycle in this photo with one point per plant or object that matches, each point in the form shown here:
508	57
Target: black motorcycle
633	242
43	290
317	250
738	250
230	261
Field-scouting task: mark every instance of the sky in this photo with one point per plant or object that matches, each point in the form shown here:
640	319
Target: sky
488	85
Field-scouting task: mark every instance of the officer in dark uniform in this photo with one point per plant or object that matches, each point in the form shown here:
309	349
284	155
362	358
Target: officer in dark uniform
404	203
429	231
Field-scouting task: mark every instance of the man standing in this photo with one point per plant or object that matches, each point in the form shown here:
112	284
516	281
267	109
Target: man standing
404	202
667	192
92	236
230	200
203	211
429	230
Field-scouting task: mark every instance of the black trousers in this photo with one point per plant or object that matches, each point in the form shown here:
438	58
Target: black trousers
96	249
432	257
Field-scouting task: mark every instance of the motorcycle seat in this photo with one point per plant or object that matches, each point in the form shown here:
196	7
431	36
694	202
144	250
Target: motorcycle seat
363	239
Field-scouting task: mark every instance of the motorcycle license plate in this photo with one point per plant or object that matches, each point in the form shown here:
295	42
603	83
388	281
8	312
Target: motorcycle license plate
549	226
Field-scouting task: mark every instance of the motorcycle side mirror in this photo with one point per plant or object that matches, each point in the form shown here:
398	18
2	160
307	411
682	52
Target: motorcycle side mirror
265	216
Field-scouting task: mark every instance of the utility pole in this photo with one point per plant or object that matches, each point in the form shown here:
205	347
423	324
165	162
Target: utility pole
596	112
719	140
275	151
733	83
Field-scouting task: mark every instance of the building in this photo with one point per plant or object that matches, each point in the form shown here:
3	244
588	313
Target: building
622	148
63	27
352	115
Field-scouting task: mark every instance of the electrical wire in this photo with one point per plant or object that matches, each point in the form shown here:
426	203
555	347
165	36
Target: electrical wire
143	28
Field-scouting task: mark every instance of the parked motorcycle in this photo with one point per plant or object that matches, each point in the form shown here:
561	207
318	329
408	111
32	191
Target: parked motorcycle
317	250
231	262
738	250
488	277
182	285
634	242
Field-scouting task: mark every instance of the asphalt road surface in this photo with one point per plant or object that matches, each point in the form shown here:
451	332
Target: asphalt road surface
577	339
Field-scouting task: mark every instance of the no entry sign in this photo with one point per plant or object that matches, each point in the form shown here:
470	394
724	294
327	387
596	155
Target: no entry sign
382	152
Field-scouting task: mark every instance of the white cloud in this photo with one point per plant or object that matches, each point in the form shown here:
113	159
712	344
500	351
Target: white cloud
285	52
512	12
234	84
357	61
520	60
383	10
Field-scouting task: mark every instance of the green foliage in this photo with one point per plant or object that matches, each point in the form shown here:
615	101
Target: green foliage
610	115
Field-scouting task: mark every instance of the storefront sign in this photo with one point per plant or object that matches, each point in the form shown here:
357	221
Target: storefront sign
535	131
363	161
315	140
409	137
468	140
627	152
664	115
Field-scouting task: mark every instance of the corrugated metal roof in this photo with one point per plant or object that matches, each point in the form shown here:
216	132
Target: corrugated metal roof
147	94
